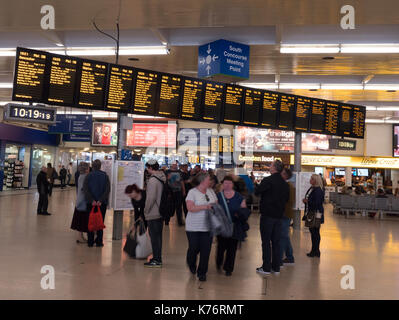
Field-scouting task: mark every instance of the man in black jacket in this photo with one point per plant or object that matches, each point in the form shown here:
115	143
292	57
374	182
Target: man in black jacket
63	175
274	193
43	189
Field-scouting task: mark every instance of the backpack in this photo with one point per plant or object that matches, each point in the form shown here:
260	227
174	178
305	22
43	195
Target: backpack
165	207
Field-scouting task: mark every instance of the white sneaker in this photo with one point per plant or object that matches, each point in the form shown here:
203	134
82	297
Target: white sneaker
261	271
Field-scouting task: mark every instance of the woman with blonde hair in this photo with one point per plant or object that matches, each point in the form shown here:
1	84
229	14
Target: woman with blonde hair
313	201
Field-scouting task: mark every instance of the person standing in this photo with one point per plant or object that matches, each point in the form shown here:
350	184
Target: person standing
176	184
156	183
63	175
80	220
187	185
314	203
51	176
70	171
274	193
232	202
285	242
96	187
199	200
43	190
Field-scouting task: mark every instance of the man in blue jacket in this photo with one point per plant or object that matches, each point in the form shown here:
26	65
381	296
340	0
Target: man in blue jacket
274	193
97	188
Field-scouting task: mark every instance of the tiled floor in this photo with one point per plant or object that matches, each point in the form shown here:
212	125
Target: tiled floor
28	241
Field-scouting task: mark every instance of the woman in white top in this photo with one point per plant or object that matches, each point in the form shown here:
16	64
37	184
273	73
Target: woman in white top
198	200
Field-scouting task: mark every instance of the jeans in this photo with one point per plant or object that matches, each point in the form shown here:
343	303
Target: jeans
270	230
199	242
155	231
43	203
62	182
69	178
228	246
315	235
177	206
99	233
285	242
50	189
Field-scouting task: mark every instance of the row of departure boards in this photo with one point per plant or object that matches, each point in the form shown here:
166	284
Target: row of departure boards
67	81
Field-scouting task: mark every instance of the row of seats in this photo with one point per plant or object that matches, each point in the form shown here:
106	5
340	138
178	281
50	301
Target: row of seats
364	204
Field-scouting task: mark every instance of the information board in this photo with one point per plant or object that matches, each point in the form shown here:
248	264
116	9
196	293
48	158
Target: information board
192	99
317	116
303	106
270	109
252	107
213	100
62	80
29	76
345	120
169	96
286	112
145	93
233	104
92	85
331	121
120	88
359	119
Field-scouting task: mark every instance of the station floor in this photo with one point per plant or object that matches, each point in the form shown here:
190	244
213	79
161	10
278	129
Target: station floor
28	242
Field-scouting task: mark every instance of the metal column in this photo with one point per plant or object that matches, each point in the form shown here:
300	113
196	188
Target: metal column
297	169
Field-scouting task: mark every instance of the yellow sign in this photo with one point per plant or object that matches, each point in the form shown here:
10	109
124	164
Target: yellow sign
342	161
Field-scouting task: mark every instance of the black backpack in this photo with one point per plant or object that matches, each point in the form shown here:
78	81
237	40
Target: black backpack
166	205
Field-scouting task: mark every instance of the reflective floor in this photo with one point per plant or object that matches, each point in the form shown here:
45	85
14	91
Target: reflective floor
28	242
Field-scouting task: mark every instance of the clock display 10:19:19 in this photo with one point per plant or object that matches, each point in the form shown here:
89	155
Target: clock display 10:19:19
32	114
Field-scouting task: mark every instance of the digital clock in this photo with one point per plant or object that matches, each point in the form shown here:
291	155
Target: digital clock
39	114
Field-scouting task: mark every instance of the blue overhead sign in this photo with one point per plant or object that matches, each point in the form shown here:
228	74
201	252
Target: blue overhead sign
224	58
72	124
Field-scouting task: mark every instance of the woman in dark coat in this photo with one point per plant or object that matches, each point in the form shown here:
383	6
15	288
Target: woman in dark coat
235	208
314	203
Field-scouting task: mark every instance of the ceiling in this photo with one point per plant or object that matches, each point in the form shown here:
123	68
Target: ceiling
263	24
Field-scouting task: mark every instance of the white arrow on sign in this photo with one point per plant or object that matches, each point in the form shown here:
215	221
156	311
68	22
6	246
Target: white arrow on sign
209	49
208	67
214	57
202	60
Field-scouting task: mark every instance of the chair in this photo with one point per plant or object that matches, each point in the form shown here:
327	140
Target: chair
381	206
365	204
347	204
394	206
333	197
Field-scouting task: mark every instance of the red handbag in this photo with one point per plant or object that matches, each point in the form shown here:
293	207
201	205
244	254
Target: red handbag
96	222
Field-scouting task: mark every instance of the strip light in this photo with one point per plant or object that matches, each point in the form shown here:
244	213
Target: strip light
6	85
370	48
383	87
341	48
309	48
299	86
341	86
260	85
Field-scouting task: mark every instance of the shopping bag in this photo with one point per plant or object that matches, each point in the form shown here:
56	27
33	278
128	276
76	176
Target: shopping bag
143	248
96	222
130	244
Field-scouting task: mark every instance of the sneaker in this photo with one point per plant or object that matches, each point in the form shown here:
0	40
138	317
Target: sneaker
202	278
261	271
153	264
288	261
275	272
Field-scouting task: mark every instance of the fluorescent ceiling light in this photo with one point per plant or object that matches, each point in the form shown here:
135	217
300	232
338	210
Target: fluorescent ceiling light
375	121
387	108
384	87
311	86
341	86
370	108
6	85
7	52
260	85
123	51
370	48
309	48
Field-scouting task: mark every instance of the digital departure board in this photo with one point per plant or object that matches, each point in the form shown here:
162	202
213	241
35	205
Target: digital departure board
169	97
359	119
303	106
62	80
92	85
233	103
145	93
192	99
317	116
29	76
270	109
345	120
120	88
332	113
252	107
287	112
213	100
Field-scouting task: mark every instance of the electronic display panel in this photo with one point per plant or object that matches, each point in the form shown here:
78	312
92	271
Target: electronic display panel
120	89
233	104
317	116
345	120
359	122
303	108
192	99
252	107
332	117
286	112
213	100
145	93
169	96
270	109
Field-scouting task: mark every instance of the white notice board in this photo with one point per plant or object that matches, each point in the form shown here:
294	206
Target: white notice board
302	185
126	173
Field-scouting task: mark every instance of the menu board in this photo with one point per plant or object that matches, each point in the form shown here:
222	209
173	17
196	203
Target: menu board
303	106
317	117
252	107
359	118
233	102
270	109
345	120
192	98
212	101
169	97
62	81
331	121
29	77
92	85
120	87
145	93
287	112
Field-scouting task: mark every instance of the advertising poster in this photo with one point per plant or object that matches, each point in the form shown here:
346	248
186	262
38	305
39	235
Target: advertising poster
104	134
157	135
302	186
396	141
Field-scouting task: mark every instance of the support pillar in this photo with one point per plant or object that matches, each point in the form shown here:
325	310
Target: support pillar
297	169
348	176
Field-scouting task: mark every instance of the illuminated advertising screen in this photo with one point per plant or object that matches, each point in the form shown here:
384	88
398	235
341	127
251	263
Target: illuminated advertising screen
157	135
104	134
